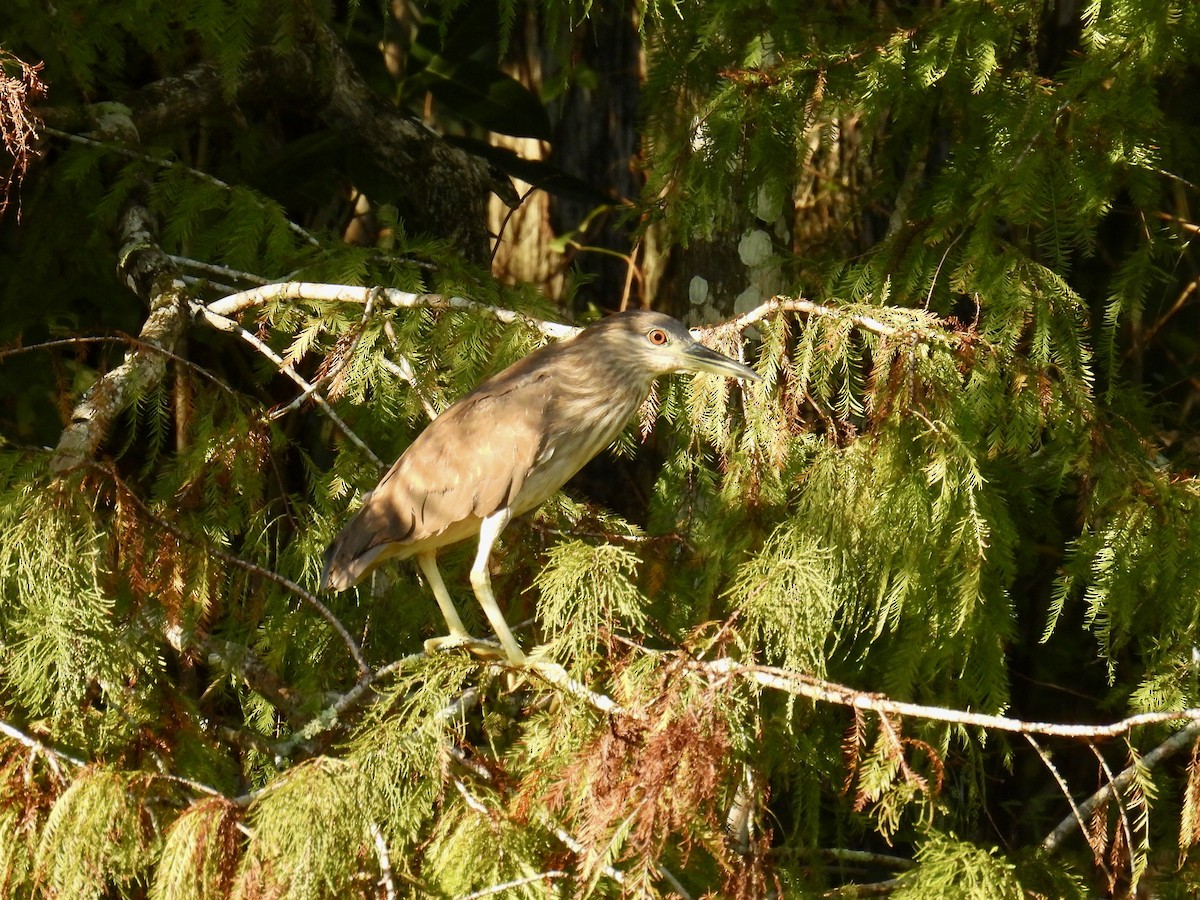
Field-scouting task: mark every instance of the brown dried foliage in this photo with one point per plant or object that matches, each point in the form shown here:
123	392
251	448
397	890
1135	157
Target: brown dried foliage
654	777
218	839
895	747
1189	832
18	124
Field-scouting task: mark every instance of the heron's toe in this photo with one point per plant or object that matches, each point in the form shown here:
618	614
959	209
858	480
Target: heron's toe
447	642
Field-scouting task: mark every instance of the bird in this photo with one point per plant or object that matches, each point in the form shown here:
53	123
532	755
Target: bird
505	447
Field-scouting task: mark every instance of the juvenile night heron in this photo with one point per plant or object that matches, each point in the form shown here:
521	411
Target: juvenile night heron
505	447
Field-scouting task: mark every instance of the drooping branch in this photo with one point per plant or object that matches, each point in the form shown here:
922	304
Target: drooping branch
245	565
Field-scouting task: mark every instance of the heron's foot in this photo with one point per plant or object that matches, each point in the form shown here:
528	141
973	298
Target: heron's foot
473	645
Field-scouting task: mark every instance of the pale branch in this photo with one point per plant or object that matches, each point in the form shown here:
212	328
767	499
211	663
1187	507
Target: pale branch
403	370
329	717
829	692
515	883
557	676
739	818
386	881
222	323
341	293
151	275
187	262
196	283
1177	742
237	303
39	747
783	304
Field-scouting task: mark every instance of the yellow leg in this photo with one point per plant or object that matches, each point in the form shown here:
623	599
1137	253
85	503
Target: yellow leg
481	581
428	564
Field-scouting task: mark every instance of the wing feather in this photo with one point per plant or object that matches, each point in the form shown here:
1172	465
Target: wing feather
471	461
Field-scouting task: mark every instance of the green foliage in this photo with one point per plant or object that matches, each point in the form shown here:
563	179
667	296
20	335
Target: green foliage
97	835
975	430
947	867
199	853
585	592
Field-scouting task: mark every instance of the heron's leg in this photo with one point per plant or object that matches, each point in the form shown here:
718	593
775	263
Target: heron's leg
481	581
428	563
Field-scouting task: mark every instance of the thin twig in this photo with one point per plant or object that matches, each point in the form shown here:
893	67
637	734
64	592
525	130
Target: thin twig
515	883
223	323
126	339
1066	792
1180	740
187	262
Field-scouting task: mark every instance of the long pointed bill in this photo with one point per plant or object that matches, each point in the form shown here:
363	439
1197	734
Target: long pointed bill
698	358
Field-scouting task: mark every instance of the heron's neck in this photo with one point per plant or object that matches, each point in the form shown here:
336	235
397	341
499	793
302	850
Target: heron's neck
603	397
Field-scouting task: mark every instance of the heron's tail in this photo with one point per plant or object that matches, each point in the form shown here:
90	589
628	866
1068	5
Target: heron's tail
370	537
336	576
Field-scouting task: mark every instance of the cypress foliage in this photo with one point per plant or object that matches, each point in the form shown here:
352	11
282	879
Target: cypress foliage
850	612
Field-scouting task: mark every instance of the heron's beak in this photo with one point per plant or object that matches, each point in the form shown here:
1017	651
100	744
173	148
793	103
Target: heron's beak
698	358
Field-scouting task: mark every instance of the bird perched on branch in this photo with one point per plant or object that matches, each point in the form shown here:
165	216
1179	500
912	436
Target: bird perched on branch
508	445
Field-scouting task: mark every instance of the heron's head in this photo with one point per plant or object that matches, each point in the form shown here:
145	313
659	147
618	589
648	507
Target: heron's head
652	344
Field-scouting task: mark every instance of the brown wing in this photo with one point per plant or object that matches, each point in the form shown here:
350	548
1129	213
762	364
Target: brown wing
468	463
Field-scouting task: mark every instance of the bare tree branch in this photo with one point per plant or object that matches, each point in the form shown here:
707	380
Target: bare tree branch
37	746
151	275
341	293
314	76
829	692
1177	742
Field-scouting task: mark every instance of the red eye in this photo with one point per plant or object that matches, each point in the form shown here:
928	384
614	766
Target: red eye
657	337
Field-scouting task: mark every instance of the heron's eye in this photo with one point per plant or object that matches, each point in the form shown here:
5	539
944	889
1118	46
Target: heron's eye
657	337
